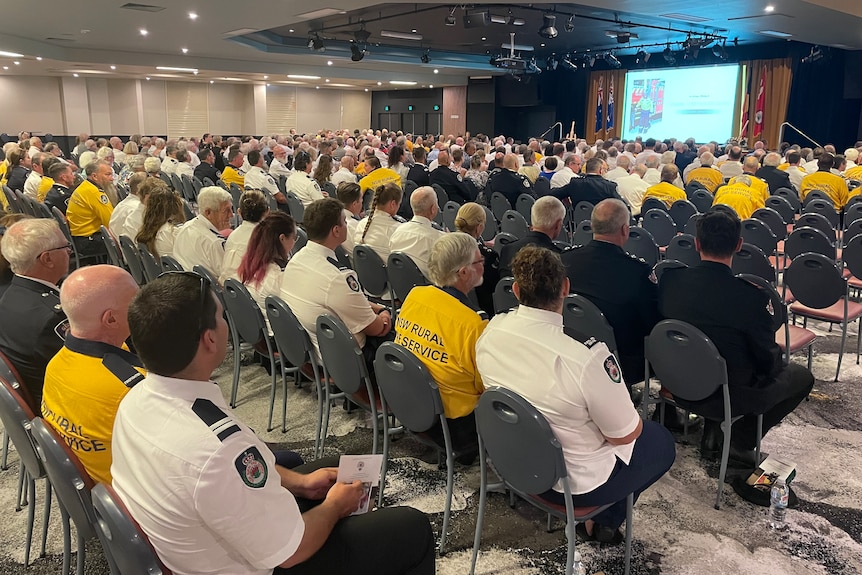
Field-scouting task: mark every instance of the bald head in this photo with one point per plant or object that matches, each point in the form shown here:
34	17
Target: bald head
443	159
510	162
610	222
750	165
669	173
96	301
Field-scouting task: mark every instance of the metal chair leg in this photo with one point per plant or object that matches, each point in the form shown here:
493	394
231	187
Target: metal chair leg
725	455
841	350
630	500
67	540
19	501
237	357
483	496
46	518
81	555
31	519
5	456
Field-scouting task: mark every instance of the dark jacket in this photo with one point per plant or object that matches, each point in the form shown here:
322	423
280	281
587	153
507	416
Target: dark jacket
452	183
591	188
775	178
510	184
533	238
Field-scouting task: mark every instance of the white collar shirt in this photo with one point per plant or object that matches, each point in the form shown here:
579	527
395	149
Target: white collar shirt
198	243
169	165
578	389
234	249
343	175
562	177
269	285
795	173
185	168
200	483
379	232
313	284
277	168
165	238
32	183
652	176
632	189
134	221
121	213
730	169
416	238
258	179
304	187
348	243
616	174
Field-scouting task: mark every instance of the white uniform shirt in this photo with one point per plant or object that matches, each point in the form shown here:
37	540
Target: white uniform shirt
198	243
381	230
234	249
200	483
730	169
692	166
416	238
257	179
169	165
646	155
343	175
134	221
119	156
348	243
579	390
121	213
616	174
32	183
276	169
165	238
795	173
562	177
809	167
652	176
305	188
185	168
313	284
632	189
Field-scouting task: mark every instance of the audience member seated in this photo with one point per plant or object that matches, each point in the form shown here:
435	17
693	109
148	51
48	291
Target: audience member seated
344	174
169	163
416	237
609	451
90	209
314	283
707	176
134	165
740	195
300	181
90	375
824	180
571	169
127	205
451	181
377	176
184	165
591	188
278	167
233	172
733	165
206	169
257	179
61	190
350	195
547	215
163	217
622	286
508	181
440	325
769	173
6	275
737	317
225	505
19	169
632	188
253	207
135	220
153	167
665	190
749	168
34	325
471	221
621	170
377	227
549	167
199	242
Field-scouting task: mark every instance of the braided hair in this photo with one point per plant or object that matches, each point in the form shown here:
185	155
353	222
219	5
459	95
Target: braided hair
382	195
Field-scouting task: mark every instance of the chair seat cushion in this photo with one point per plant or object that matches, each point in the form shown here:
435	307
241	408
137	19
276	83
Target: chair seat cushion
561	509
800	338
854	282
833	313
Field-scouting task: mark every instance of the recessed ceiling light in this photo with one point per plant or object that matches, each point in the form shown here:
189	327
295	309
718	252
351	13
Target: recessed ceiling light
17	63
366	89
317	87
212	81
303	77
436	71
769	8
431	86
144	31
291	30
327	80
329	62
542	44
267	85
266	77
484	38
75	75
148	78
402	83
185	50
175	69
113	67
413	30
39	58
379	83
11	54
7	67
193	16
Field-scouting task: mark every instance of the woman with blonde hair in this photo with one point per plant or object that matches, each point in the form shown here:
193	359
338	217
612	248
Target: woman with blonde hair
471	220
162	216
380	223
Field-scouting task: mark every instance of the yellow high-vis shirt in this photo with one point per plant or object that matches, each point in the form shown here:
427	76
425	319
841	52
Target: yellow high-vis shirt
666	192
833	186
231	175
757	185
709	177
743	199
89	209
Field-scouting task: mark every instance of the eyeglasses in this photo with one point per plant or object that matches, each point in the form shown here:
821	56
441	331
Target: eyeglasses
205	287
67	247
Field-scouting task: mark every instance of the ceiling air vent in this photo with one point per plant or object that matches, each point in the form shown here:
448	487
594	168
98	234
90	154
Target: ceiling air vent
142	7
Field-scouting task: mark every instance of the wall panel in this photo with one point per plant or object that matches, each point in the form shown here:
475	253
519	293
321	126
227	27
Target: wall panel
123	107
280	109
187	110
227	103
31	103
317	110
355	110
154	99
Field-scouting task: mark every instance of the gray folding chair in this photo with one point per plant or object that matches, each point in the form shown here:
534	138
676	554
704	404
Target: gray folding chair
583	320
789	196
773	220
177	184
372	273
16	414
814	195
690	227
499	205
403	274
702	200
504	297
724	208
805	239
783	207
823	207
524	206
133	259
818	222
64	227
514	223
665	265
822	293
680	212
491	227
121	537
301	240
412	395
676	351
449	213
751	260
251	328
529	459
188	188
757	233
582	211
503	239
682	249
852	213
653	204
72	484
442	196
660	225
152	267
170	263
642	244
295	207
111	245
583	233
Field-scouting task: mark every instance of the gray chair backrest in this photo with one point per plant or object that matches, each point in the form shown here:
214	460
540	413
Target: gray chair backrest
542	187
214	285
504	297
503	239
681	211
152	267
853	230
235	193
783	207
682	248
702	200
815	280
290	337
582	211
187	210
756	232
660	225
791	197
166	179
450	212
403	274
642	244
301	241
514	223
442	196
750	260
653	204
519	441
208	182
16	415
490	231
12	200
852	255
133	259
281	184
807	239
818	222
852	213
67	476
407	388
177	184
823	207
685	360
340	354
188	188
773	220
665	265
198	185
121	536
583	233
524	206
370	268
582	319
295	207
244	312
499	205
816	195
111	246
169	263
724	208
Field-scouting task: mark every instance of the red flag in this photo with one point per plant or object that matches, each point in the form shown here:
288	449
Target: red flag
743	124
758	106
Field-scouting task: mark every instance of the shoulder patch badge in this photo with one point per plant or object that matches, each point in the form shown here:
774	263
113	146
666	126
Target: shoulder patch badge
103	199
612	369
251	468
526	183
352	283
61	329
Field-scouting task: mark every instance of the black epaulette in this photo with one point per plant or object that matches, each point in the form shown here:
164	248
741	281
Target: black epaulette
218	421
338	264
398	219
482	314
591	342
437	226
122	370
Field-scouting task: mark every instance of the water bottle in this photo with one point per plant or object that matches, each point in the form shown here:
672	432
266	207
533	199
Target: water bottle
778	504
579	568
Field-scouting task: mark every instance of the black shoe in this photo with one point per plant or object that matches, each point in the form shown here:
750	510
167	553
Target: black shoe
601	533
742	458
710	443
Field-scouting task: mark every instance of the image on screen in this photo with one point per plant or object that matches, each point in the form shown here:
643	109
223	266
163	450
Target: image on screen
681	103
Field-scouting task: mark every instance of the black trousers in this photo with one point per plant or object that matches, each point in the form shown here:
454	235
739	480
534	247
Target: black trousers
389	541
91	247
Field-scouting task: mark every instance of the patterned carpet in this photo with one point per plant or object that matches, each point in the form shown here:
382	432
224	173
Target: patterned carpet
676	529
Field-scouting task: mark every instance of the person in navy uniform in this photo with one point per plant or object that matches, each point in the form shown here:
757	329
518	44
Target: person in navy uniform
419	171
509	182
34	326
64	183
547	215
450	181
593	187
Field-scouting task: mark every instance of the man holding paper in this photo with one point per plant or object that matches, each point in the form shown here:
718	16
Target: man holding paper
207	491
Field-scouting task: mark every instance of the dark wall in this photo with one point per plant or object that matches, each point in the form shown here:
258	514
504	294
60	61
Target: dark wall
561	98
422	119
480	106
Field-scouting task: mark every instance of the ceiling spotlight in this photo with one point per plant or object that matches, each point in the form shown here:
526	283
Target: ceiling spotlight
719	51
612	60
356	53
185	50
668	56
548	29
425	58
552	62
361	36
143	31
570	24
641	57
193	16
316	43
113	67
450	19
567	63
592	60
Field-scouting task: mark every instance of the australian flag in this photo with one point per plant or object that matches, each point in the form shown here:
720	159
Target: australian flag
599	102
610	123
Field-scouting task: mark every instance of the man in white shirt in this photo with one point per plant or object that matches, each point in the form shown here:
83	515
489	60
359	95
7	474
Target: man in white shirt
652	176
278	165
169	163
732	167
34	178
199	242
127	205
224	504
300	181
257	179
416	237
621	170
609	451
183	166
345	172
571	168
632	188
